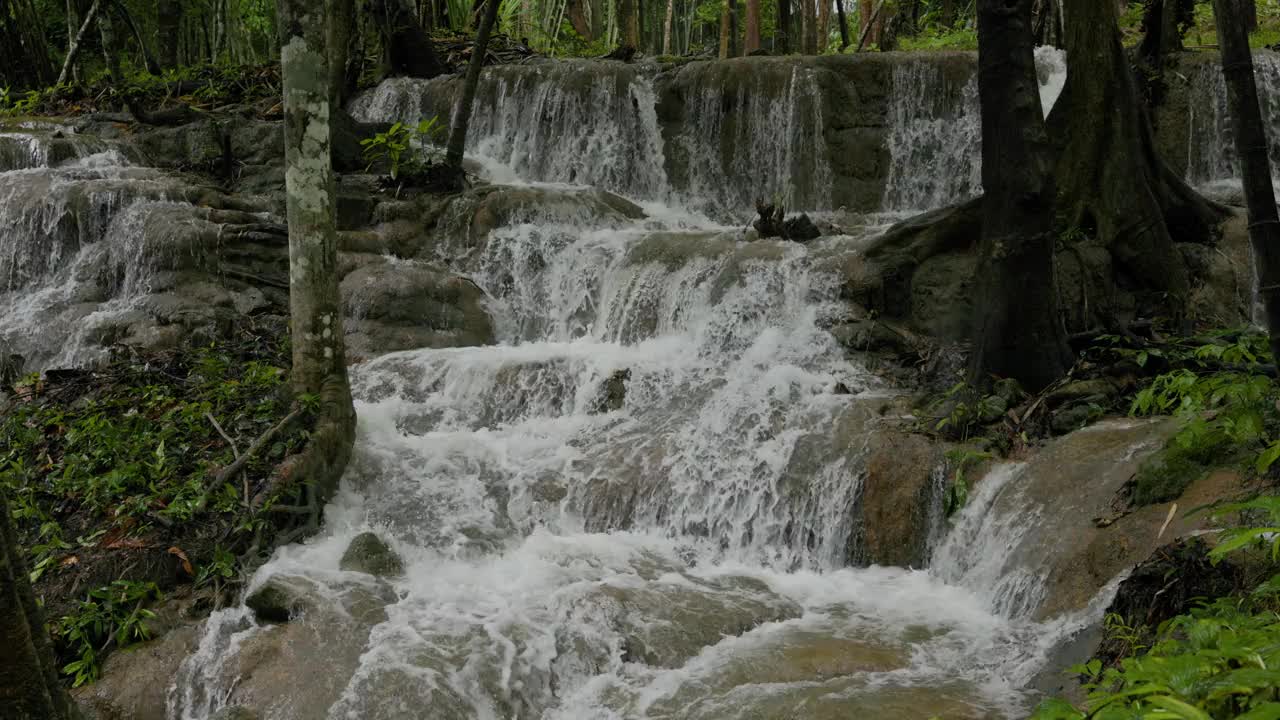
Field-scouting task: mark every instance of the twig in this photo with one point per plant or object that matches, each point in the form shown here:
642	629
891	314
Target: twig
235	452
240	462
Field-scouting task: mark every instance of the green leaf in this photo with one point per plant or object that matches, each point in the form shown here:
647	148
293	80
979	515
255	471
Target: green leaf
1178	708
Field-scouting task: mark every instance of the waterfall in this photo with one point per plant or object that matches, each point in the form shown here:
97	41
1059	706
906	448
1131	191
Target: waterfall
1211	149
754	131
935	131
74	256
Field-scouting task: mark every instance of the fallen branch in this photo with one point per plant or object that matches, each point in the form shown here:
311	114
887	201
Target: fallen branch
229	471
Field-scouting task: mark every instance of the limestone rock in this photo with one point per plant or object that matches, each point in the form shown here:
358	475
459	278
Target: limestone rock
367	553
135	681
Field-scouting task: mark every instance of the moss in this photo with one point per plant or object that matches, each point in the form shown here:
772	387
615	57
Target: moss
1166	475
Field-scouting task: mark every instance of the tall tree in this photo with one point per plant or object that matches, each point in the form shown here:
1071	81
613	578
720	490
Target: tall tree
726	31
752	41
168	25
73	46
629	20
29	685
666	27
407	50
462	113
1018	331
782	34
1112	185
315	307
1251	147
844	25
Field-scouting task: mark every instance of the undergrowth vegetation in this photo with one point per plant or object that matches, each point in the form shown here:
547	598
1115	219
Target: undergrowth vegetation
113	477
1220	659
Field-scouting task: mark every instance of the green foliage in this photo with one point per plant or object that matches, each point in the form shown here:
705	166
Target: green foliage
957	492
113	614
1264	508
399	146
964	409
1227	404
939	38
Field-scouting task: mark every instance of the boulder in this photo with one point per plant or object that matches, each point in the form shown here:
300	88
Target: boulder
367	553
135	681
400	305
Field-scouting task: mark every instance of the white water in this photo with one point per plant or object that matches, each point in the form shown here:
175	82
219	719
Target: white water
73	261
683	555
1211	149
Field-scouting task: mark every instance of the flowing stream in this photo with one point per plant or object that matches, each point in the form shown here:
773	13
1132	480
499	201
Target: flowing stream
644	501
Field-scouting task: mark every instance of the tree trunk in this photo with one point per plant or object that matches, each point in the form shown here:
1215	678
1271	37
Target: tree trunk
782	34
868	12
578	18
1018	331
630	22
733	28
1255	164
948	15
342	39
724	30
148	58
810	26
407	48
462	113
315	307
1249	8
74	46
1047	22
169	23
666	27
752	41
1112	185
843	20
110	50
824	24
29	685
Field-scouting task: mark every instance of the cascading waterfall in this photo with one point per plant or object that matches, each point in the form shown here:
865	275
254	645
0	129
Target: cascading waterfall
73	256
935	123
1211	149
677	549
757	134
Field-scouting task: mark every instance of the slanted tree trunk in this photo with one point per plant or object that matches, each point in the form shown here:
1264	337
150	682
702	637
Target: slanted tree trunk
1255	164
844	25
752	41
148	58
169	24
1018	331
1112	186
29	685
74	46
462	113
315	308
407	50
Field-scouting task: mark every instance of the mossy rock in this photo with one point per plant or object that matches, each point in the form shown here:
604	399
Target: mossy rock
367	553
277	601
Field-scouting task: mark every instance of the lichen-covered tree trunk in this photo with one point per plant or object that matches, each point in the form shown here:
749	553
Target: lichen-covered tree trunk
29	685
1112	184
666	27
1018	330
462	113
1255	164
319	357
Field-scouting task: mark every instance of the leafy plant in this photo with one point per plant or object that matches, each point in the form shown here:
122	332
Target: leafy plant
957	492
113	614
396	146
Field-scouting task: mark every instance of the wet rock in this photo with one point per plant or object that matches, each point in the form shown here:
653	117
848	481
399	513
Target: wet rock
235	712
278	601
135	681
1082	389
1008	390
898	498
367	553
486	209
613	393
1071	418
401	305
801	229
